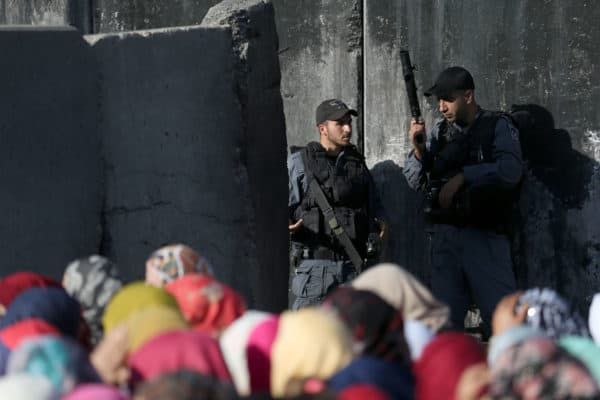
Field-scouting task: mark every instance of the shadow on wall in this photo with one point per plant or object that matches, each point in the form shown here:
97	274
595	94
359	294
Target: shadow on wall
563	172
565	176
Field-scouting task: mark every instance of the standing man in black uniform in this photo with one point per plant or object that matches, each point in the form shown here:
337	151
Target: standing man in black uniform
320	258
470	165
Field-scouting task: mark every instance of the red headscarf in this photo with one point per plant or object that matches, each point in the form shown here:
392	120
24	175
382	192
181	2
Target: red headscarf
15	284
362	391
442	363
177	350
208	305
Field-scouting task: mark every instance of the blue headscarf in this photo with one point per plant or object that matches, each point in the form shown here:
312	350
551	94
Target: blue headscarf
63	361
52	305
391	377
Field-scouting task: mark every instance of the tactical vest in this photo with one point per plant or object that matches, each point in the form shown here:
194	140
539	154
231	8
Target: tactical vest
346	186
484	206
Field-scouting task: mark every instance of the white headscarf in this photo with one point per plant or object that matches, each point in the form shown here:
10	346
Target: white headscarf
403	291
594	318
233	343
23	386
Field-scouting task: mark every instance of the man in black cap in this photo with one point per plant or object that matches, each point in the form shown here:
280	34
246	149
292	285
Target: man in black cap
321	258
470	167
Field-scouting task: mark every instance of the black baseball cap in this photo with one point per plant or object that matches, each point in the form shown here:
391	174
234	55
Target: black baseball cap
333	110
449	80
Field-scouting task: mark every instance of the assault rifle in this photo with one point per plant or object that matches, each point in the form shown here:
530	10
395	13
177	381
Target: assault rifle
411	89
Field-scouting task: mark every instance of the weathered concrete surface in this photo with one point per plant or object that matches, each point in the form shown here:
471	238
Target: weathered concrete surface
169	143
125	15
263	151
321	57
50	169
535	52
174	147
34	12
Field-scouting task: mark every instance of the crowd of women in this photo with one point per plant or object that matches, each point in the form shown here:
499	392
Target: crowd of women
183	334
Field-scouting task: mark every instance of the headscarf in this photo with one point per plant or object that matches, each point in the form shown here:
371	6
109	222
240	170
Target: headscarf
442	363
586	351
259	351
27	387
93	281
95	391
594	318
233	343
552	314
403	291
519	333
208	305
63	361
133	298
174	261
14	284
362	391
538	368
310	343
52	305
417	337
376	326
11	337
178	350
394	379
183	385
152	322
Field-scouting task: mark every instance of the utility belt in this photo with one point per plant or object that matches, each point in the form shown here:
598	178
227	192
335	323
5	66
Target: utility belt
324	254
300	252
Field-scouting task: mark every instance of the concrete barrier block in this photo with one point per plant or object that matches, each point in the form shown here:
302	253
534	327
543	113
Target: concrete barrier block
263	155
321	58
50	168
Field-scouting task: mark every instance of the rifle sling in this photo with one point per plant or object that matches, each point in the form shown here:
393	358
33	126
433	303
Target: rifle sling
339	231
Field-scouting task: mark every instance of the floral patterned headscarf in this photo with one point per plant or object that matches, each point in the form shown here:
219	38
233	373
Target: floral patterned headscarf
174	261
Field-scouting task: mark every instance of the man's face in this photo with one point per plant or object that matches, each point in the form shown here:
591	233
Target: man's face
339	132
454	107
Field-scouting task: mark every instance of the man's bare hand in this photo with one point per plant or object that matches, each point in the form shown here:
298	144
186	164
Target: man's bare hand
473	383
293	228
505	316
449	190
109	357
384	229
417	130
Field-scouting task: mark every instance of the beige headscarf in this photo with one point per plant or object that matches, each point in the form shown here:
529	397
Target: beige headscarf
403	291
310	343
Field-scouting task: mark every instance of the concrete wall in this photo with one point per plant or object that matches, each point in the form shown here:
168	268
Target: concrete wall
34	12
263	147
133	140
177	162
123	15
536	52
321	58
50	168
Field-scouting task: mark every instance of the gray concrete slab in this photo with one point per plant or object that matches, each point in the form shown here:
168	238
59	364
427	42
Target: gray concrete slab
50	168
264	151
169	142
174	150
125	15
321	58
34	12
